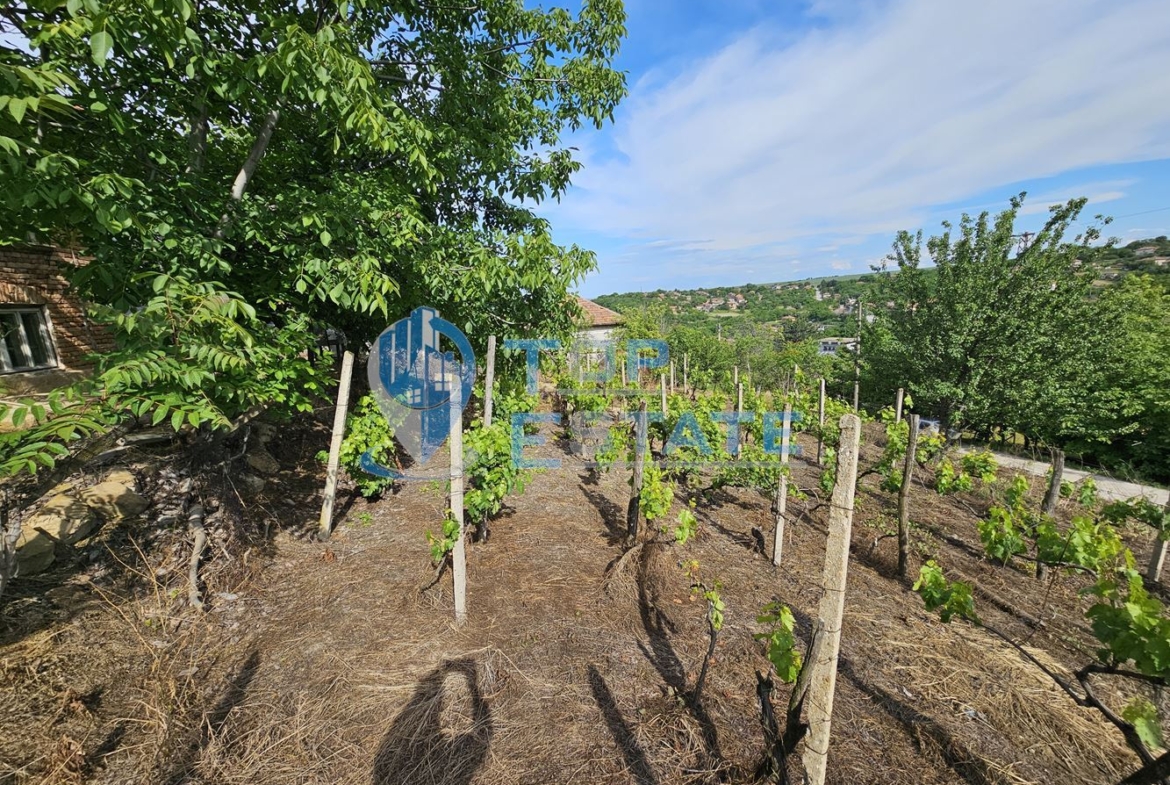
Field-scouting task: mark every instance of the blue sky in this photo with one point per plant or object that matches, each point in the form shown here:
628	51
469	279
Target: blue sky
766	141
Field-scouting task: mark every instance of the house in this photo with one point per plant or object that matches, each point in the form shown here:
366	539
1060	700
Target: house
832	345
1145	250
45	335
598	323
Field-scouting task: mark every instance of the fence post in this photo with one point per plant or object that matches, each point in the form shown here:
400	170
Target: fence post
832	607
898	405
459	552
489	381
672	377
781	504
1158	557
904	497
739	411
735	375
686	379
325	524
639	459
662	387
821	420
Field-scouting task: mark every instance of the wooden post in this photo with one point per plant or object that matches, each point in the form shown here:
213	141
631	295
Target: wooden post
662	387
832	607
633	508
739	410
459	552
1158	557
623	374
325	524
489	382
686	375
735	375
672	377
781	503
821	420
857	362
898	405
904	498
795	375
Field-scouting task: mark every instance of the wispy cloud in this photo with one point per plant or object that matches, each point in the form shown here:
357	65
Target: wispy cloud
863	125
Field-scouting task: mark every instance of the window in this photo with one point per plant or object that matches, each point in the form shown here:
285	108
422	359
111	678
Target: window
25	344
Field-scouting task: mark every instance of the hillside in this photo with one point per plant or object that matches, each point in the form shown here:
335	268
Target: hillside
825	305
337	662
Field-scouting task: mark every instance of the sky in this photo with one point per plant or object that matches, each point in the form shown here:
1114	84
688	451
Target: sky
767	140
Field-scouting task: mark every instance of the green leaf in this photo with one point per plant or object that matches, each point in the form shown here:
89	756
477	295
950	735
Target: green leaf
100	45
326	238
1143	716
16	108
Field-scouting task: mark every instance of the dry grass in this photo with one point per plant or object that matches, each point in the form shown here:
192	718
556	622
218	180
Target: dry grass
332	666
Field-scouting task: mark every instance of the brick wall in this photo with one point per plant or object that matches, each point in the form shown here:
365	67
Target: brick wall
33	275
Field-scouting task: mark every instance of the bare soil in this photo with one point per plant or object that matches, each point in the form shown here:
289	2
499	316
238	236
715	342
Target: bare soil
327	662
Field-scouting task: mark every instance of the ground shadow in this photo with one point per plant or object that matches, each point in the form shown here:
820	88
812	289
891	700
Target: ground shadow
751	542
920	728
663	657
635	756
181	769
419	748
612	514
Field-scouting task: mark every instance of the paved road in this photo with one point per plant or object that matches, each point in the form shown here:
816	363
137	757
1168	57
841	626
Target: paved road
1107	487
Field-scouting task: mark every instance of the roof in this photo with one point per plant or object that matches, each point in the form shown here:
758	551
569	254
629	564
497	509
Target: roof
598	315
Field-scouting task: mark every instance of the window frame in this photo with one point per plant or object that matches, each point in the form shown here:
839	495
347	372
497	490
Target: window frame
45	330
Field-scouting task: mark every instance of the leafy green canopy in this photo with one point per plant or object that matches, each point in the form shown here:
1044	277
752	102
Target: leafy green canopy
242	172
999	335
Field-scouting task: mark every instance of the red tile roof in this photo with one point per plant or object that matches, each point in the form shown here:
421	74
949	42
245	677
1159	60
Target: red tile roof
598	315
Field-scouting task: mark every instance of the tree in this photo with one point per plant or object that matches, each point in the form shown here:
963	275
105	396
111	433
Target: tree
995	337
1131	406
242	173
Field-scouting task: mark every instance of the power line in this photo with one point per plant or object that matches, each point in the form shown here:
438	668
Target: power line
1143	212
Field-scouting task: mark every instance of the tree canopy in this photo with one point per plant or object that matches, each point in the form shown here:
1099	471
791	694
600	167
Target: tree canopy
1008	332
242	173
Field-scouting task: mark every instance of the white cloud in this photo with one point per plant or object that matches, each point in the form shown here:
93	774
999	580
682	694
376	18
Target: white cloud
841	265
862	127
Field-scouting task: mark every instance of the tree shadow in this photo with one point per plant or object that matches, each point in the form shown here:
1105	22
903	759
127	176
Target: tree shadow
433	741
663	657
180	771
612	514
635	756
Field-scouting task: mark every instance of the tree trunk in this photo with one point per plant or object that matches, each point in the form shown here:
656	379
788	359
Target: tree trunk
244	176
1050	500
